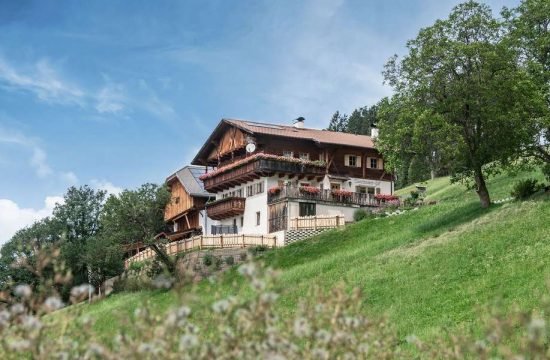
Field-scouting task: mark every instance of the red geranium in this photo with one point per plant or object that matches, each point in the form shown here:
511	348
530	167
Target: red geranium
386	197
343	193
310	189
274	190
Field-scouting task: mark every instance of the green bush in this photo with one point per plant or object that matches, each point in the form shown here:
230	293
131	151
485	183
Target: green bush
415	195
525	188
208	260
258	250
230	260
243	256
360	214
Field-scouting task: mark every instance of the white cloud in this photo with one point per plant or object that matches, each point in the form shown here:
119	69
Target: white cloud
13	217
42	80
105	185
111	99
69	177
38	158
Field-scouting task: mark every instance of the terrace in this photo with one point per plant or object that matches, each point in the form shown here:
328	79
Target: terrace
340	197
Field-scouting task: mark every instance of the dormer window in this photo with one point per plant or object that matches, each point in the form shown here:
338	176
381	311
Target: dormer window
288	154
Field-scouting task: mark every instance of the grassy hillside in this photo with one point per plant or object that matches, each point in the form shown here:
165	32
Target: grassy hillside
428	269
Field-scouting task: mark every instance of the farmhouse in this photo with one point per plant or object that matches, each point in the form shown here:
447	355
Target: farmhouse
265	175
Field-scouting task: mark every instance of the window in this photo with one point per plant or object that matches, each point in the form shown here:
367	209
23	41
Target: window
242	221
352	161
374	163
307	209
304	156
304	184
361	189
370	190
257	218
334	186
177	200
287	153
254	189
234	223
322	156
377	191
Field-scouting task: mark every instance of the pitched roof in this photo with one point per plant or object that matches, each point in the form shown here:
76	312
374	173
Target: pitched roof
319	136
189	178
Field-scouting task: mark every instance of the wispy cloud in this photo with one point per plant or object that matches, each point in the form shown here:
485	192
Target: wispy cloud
111	99
106	186
38	157
13	217
42	80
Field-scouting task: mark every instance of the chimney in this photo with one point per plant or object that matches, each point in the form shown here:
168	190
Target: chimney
299	123
373	131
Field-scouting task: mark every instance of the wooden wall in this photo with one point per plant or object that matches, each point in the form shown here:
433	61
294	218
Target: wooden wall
232	140
176	206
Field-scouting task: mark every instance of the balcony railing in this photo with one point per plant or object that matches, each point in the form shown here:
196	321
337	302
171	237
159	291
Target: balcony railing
224	229
225	208
259	167
351	198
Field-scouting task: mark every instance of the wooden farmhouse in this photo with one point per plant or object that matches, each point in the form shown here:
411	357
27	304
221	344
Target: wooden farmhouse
185	213
264	175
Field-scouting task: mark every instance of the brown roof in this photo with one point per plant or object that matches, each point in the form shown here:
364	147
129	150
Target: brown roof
319	136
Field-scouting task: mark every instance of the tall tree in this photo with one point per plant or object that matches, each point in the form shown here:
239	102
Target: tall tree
529	26
461	72
362	120
78	219
138	216
339	122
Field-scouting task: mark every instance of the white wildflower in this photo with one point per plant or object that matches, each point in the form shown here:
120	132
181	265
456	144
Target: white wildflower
19	345
536	329
301	327
269	297
321	354
17	309
23	291
188	341
221	306
323	336
31	323
81	291
247	269
53	303
163	282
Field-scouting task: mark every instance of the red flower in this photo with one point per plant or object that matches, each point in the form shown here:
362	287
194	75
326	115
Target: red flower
343	193
274	190
386	197
310	189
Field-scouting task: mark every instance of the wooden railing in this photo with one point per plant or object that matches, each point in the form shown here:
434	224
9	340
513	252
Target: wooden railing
257	168
207	242
225	208
293	192
317	222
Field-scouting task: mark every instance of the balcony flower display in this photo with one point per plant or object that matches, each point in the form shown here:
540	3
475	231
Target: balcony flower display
342	193
312	190
274	190
386	197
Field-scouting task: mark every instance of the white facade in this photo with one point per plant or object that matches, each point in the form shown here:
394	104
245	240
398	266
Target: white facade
255	219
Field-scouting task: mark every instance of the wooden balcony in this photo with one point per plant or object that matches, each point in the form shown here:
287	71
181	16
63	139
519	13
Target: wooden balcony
225	208
328	196
258	167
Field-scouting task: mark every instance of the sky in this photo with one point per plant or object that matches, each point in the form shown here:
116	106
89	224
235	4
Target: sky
115	94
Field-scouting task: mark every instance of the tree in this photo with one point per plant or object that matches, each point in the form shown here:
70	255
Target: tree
138	216
362	120
529	26
339	122
460	73
78	221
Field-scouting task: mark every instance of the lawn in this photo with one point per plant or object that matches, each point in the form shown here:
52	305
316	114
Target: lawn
427	270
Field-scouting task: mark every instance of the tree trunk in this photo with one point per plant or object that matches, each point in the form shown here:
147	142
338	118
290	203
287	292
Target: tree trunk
481	190
432	174
164	258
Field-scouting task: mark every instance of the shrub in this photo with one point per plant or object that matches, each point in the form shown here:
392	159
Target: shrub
257	250
415	195
218	262
360	214
208	259
230	260
243	256
525	188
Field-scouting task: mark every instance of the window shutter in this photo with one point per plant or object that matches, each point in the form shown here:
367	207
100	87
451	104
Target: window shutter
368	162
346	160
358	164
380	164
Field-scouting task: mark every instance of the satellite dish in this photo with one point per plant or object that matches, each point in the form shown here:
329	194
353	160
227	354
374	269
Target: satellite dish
250	148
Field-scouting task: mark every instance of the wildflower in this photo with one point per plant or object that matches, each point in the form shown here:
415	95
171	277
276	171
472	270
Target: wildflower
19	345
81	291
188	341
320	353
257	284
23	291
221	306
146	348
95	350
17	309
31	323
53	303
536	329
411	339
248	270
163	282
4	318
301	327
323	336
183	311
269	297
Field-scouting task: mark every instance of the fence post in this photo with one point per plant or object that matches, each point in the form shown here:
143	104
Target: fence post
315	222
243	241
262	241
221	240
200	243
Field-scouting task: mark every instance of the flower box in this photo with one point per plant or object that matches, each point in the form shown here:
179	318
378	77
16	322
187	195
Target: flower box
312	190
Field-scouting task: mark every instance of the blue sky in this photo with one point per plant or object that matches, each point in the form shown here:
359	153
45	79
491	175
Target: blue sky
119	93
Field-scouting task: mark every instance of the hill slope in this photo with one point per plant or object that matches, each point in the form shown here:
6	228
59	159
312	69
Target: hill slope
427	269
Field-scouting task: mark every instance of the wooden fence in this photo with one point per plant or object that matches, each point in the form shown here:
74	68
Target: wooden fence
207	242
317	222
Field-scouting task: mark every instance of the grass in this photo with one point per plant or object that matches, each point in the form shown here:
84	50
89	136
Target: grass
428	270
